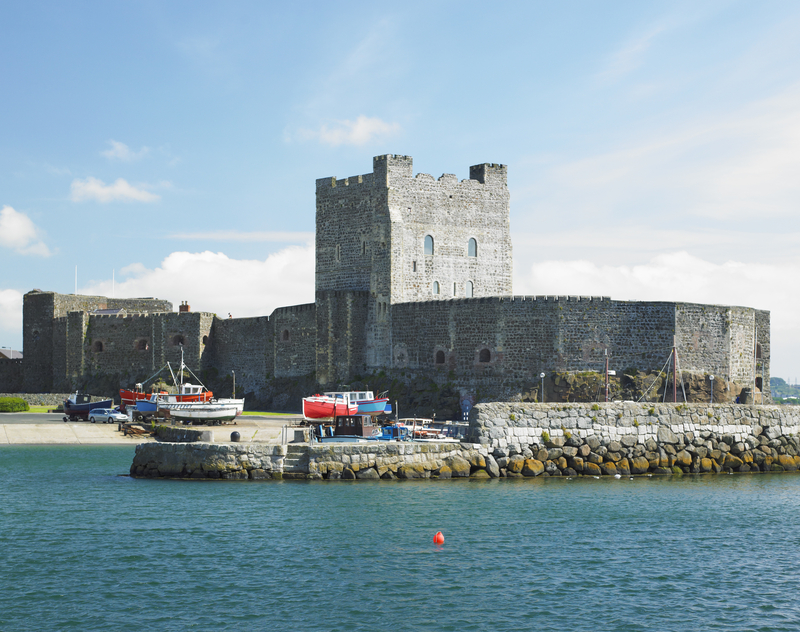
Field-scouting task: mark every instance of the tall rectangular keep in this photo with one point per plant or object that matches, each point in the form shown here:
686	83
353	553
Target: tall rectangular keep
414	238
390	237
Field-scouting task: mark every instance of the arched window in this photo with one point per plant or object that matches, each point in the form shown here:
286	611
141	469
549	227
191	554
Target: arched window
472	248
436	288
97	346
469	290
485	356
178	340
285	335
141	344
440	357
428	245
205	340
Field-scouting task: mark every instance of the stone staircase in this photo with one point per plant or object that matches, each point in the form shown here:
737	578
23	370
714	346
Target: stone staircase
296	459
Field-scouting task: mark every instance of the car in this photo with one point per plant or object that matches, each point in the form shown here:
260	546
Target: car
106	415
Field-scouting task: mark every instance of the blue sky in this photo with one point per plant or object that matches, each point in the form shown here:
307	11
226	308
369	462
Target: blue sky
653	148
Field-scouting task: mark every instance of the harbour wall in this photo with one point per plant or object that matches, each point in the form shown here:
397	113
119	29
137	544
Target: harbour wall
517	440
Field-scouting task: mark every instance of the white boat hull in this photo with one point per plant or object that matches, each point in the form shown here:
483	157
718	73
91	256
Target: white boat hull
201	412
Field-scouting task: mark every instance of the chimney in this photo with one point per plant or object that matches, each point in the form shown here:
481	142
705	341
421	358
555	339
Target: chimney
184	307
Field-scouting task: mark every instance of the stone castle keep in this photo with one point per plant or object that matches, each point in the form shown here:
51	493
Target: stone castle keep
413	282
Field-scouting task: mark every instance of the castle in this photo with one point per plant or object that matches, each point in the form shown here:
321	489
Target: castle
413	279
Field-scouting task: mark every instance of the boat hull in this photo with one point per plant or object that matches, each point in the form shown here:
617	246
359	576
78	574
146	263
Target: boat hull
373	407
73	410
208	412
326	408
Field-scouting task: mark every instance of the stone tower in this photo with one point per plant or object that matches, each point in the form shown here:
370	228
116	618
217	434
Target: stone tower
390	237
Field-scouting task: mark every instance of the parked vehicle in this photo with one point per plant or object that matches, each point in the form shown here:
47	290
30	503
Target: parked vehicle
79	405
106	415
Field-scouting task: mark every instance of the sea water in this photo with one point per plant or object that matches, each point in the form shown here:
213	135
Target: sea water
85	547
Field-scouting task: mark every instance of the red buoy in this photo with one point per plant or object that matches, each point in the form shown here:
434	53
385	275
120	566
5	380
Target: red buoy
438	538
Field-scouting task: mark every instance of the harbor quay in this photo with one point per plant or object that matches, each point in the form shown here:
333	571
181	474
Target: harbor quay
512	440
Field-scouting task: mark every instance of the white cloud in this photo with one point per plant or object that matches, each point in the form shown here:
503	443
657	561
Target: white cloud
94	189
679	276
11	319
214	282
19	233
120	151
254	236
359	132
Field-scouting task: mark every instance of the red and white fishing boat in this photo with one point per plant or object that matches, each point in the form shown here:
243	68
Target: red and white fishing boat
327	407
186	392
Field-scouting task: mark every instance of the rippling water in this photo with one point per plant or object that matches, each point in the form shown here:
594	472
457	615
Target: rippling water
83	548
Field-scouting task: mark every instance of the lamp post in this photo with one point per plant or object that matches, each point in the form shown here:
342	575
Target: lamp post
233	373
711	377
541	375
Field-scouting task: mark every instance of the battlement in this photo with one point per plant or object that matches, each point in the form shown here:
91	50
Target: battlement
489	173
393	167
294	309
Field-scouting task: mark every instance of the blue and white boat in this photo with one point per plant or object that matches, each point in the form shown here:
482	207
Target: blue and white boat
366	401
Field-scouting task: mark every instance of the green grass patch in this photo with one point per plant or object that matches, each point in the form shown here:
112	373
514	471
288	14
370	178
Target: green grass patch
40	409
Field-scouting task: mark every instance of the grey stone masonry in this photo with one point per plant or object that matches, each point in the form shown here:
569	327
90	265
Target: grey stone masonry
500	425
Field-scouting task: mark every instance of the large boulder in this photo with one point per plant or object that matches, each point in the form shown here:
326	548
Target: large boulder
515	464
787	462
492	467
576	463
629	440
665	435
370	474
591	469
683	459
733	462
460	467
532	467
609	468
414	470
639	465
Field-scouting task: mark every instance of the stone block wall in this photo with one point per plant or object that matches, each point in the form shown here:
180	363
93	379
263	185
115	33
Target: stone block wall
341	336
451	213
627	438
371	232
50	344
243	345
11	376
295	340
482	344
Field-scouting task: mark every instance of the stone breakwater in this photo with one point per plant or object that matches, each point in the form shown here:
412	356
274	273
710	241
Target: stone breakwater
628	438
517	440
258	461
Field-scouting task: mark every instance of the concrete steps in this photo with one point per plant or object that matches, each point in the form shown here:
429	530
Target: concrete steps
296	459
